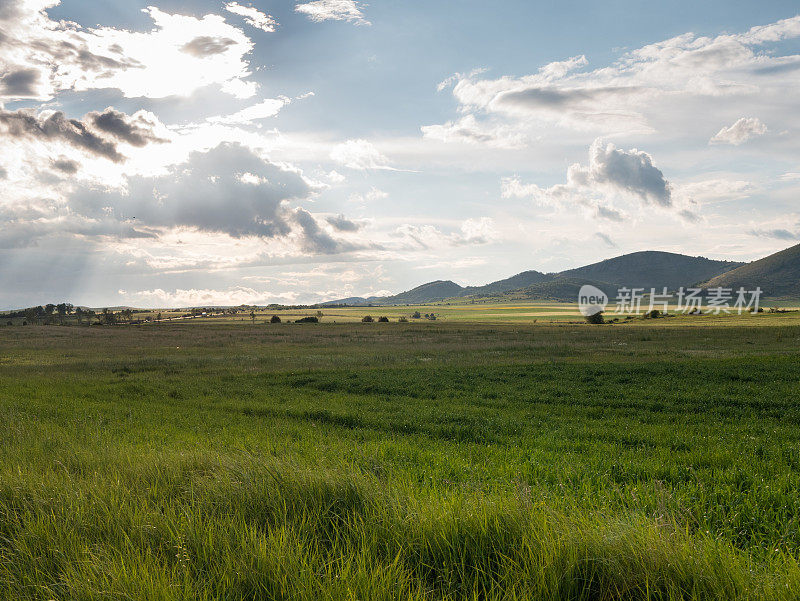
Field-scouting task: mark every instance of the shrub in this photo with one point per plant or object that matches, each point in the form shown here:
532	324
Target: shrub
416	315
309	319
595	318
367	319
383	319
402	320
654	314
275	319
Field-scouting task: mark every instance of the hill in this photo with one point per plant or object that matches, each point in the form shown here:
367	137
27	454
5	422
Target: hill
652	269
778	275
556	289
426	293
521	280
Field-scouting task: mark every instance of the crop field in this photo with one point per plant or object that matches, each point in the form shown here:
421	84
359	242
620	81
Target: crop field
230	459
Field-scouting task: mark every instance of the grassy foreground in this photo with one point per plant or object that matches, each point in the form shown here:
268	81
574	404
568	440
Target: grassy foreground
230	460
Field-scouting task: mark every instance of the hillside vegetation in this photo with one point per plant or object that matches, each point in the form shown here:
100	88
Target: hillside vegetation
778	275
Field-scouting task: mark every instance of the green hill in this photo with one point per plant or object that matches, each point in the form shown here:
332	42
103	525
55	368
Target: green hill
426	293
778	275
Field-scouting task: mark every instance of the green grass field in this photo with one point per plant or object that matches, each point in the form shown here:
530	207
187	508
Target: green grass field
225	459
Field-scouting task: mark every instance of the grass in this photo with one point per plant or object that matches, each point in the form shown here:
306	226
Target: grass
438	460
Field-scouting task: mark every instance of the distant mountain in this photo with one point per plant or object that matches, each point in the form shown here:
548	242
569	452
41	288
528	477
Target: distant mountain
646	269
556	289
778	275
521	280
652	269
427	293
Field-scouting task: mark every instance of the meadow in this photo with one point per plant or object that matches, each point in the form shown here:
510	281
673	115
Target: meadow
227	458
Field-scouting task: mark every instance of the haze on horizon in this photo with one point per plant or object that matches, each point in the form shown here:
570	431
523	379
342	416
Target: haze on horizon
195	153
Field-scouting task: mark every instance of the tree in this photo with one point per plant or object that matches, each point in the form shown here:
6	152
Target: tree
61	308
253	316
595	318
383	319
30	314
108	317
275	319
416	315
367	319
79	315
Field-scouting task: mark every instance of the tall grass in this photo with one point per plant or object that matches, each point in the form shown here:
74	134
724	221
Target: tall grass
543	463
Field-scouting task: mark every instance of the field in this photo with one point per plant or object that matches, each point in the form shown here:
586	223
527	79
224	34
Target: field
453	459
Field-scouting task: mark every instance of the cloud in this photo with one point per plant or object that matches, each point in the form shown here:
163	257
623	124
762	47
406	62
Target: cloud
317	240
22	83
370	195
25	124
333	10
611	171
469	130
136	130
91	134
207	193
426	237
253	17
778	234
175	57
740	132
66	165
360	155
664	86
206	45
342	224
606	239
263	110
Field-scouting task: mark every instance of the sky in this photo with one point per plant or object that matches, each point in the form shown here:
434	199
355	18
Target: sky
193	152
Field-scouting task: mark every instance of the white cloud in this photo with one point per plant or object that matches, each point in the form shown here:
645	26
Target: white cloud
263	110
469	130
41	57
370	195
253	16
426	237
359	154
333	10
740	132
610	173
652	88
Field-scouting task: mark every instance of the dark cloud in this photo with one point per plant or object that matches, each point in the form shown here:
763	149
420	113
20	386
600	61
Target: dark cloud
66	165
206	45
342	224
536	98
56	127
22	83
780	234
133	130
91	134
609	213
317	240
208	193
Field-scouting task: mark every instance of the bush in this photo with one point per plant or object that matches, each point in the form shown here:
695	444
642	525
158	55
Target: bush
595	318
367	319
275	319
402	320
416	315
309	319
383	319
654	314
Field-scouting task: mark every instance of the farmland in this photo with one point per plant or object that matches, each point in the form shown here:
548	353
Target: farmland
478	456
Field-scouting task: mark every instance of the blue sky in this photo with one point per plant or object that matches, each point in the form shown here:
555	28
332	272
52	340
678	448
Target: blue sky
189	153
